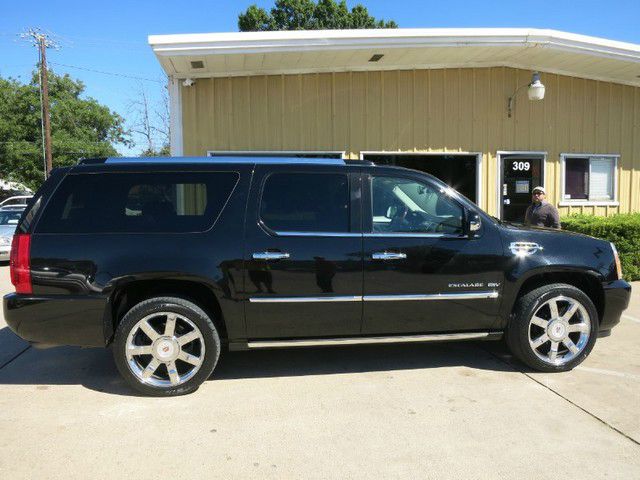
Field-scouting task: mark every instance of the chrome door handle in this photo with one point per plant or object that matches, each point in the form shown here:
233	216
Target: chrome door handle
270	255
388	256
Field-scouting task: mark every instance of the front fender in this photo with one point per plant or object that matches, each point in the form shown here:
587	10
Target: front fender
561	256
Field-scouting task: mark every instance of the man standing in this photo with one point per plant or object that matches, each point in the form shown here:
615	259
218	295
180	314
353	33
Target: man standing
541	213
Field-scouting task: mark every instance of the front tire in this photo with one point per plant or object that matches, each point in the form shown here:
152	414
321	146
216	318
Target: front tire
553	328
166	346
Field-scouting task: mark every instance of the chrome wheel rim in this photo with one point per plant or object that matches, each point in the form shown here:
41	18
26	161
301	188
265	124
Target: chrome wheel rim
165	349
559	330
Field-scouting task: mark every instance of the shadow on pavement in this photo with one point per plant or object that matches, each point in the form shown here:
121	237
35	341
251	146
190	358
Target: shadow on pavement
356	359
11	346
94	367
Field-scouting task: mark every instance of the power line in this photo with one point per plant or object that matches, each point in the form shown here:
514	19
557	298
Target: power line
106	73
100	41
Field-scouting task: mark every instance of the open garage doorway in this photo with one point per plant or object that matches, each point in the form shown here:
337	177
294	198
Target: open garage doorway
460	171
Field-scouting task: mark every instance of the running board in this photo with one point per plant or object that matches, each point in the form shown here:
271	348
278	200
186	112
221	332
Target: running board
317	342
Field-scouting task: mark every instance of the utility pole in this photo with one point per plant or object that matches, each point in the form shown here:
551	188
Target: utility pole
42	42
44	87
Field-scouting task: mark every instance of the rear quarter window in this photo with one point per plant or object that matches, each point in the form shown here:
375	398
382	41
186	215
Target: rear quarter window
137	202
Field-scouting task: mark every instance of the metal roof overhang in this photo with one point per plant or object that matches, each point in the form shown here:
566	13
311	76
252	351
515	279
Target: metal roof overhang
291	52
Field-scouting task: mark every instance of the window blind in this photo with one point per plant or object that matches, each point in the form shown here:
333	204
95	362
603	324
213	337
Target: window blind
601	179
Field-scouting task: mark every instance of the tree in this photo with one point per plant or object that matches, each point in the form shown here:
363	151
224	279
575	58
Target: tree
150	122
80	127
308	15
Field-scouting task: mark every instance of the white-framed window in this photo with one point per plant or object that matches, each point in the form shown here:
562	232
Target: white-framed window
589	179
277	153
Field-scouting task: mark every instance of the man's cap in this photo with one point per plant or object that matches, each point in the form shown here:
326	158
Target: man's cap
539	189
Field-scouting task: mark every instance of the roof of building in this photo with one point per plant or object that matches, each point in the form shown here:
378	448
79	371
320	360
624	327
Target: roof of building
289	52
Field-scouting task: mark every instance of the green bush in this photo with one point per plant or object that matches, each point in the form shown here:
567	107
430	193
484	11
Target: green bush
623	230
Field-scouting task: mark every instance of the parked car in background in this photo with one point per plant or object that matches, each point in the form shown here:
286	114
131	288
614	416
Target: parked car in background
168	260
13	189
9	218
16	201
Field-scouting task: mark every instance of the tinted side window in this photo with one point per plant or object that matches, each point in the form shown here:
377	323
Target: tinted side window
401	205
306	202
137	202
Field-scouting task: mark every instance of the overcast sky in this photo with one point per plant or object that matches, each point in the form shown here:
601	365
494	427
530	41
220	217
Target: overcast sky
111	36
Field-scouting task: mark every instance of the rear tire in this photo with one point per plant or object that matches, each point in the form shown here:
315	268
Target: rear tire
553	328
166	346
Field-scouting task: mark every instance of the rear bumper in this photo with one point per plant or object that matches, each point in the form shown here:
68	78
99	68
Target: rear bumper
616	300
57	320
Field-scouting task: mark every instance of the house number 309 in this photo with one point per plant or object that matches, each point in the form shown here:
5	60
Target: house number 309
521	166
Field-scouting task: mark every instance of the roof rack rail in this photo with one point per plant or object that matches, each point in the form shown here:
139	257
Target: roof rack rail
283	160
92	160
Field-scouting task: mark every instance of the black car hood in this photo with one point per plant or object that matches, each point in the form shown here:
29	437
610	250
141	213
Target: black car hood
513	227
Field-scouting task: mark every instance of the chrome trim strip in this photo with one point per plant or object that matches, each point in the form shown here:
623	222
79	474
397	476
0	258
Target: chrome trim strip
317	234
270	255
342	298
380	298
367	235
409	234
433	296
388	255
436	337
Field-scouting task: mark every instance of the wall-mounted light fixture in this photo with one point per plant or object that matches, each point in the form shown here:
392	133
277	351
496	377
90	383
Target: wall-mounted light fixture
535	91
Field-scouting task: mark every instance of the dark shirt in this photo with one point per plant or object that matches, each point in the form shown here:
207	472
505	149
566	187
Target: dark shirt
542	215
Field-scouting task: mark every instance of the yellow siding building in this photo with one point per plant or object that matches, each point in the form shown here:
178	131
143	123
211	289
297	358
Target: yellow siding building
436	100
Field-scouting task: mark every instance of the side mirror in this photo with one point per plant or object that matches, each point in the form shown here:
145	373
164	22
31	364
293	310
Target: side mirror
473	223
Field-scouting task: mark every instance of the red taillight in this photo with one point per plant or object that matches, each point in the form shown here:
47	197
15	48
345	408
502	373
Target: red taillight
20	262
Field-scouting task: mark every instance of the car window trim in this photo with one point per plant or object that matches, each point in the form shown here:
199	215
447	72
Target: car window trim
316	234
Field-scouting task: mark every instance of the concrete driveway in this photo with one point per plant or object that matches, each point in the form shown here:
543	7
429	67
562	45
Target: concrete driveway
412	411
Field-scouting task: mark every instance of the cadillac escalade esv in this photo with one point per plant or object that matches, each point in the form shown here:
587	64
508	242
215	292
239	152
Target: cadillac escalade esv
169	261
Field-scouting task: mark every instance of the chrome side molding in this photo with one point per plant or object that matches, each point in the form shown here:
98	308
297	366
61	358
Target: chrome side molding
342	298
270	255
388	255
317	234
381	298
434	296
317	342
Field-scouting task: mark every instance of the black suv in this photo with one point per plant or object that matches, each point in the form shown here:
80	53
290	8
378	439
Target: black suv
169	260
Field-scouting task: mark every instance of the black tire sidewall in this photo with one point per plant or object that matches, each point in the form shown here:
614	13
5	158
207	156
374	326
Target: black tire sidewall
184	308
518	332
